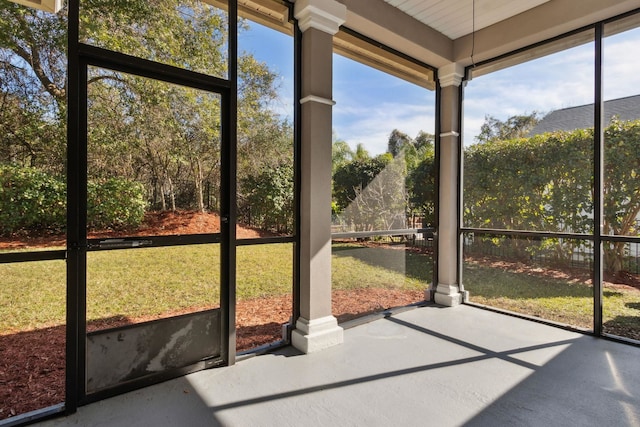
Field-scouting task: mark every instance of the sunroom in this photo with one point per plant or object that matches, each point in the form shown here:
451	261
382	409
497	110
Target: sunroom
189	183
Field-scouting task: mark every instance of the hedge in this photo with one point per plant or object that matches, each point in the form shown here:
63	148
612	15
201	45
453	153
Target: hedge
31	199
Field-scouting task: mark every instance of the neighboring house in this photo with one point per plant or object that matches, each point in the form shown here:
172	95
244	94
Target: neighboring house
581	117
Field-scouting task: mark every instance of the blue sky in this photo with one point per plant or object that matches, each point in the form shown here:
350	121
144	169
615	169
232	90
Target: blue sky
561	80
370	104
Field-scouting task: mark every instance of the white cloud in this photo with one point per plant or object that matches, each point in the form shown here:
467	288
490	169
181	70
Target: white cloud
370	104
371	125
543	85
620	65
562	80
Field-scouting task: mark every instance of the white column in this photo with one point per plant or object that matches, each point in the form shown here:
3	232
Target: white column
448	290
316	328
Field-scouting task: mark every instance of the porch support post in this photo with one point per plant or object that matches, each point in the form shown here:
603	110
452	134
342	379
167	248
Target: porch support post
316	328
448	289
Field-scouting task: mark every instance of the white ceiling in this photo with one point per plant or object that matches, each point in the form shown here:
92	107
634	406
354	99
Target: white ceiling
456	18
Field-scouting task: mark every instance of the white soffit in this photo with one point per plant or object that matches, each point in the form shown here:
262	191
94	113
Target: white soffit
455	18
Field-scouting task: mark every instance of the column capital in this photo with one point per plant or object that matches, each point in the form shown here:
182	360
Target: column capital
323	15
451	74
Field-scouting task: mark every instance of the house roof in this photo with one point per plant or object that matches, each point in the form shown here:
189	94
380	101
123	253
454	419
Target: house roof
581	117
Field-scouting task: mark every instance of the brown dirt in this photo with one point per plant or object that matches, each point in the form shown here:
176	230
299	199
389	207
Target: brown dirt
32	371
166	223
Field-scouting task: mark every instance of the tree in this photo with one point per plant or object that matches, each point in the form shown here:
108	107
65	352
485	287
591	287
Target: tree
361	153
353	175
377	198
419	157
163	136
398	141
621	188
341	154
32	86
514	127
270	200
366	187
421	188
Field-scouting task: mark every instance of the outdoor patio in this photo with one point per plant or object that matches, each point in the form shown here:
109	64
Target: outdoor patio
426	366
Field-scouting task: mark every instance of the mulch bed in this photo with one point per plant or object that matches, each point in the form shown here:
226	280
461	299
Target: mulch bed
569	274
32	363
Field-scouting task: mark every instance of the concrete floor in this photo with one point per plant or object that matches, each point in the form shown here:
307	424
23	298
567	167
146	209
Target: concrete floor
430	366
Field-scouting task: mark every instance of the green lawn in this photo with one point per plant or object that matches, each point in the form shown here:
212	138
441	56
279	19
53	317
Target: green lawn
566	301
356	266
153	281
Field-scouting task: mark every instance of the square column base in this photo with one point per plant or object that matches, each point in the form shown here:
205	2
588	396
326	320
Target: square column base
316	334
448	295
429	293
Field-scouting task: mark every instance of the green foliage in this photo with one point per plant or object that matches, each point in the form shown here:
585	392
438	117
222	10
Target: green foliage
270	199
160	135
361	153
341	154
398	141
378	193
514	127
353	176
421	186
32	87
621	188
185	33
544	183
30	199
115	203
421	176
375	191
540	183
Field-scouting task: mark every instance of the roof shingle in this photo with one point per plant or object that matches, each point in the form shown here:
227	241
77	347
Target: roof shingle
581	117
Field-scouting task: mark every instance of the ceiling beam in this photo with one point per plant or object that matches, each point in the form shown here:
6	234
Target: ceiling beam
535	25
390	26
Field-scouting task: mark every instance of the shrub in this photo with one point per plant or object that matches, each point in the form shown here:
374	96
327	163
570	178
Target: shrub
270	198
30	199
115	203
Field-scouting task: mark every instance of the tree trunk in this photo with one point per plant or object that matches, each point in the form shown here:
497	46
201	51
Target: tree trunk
198	184
614	257
163	201
172	194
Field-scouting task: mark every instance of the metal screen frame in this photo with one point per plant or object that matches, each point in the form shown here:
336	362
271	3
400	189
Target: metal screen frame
80	57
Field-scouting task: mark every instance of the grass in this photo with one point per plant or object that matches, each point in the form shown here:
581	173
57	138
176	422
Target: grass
356	266
154	281
566	301
32	295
